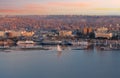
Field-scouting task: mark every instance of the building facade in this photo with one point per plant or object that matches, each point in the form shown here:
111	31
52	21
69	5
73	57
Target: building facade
103	33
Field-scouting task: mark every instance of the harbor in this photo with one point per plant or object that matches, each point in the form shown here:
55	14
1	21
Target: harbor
59	46
101	45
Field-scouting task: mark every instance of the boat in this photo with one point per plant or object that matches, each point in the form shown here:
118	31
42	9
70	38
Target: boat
34	48
105	49
48	42
79	48
25	42
111	47
4	47
80	43
66	43
59	48
24	47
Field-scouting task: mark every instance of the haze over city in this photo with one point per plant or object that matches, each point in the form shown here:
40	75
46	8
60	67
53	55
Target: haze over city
56	7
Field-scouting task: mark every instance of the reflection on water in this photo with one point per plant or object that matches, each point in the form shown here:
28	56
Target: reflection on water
59	53
39	63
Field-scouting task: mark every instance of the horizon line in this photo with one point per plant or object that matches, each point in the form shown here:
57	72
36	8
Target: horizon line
58	15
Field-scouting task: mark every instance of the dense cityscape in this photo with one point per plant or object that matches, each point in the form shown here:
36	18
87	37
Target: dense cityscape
58	23
61	29
59	38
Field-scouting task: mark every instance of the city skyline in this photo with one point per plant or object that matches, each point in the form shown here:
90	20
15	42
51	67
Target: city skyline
56	7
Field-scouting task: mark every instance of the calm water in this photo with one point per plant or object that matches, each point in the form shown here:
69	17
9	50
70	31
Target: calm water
65	64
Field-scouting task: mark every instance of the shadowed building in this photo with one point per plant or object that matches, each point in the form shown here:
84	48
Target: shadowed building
87	30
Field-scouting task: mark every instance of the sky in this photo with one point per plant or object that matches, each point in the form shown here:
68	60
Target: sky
59	7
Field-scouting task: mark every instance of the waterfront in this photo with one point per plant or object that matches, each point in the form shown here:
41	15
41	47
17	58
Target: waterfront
90	63
59	39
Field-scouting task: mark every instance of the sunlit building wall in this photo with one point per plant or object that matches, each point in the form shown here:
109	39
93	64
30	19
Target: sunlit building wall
13	34
27	34
103	33
2	33
65	33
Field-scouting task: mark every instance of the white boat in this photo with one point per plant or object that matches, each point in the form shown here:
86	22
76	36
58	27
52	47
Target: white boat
26	42
59	48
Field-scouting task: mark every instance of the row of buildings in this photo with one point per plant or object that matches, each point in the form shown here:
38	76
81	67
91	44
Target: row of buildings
106	33
13	34
86	32
89	32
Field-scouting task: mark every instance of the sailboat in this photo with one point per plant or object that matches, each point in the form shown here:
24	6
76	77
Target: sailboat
59	48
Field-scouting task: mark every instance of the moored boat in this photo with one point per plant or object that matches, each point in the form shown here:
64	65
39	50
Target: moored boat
80	43
79	48
25	42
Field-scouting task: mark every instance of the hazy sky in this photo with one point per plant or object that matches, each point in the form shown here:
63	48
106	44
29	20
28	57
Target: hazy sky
58	7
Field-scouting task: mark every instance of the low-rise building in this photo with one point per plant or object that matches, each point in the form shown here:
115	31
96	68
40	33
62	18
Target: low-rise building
103	33
2	33
27	34
12	34
65	33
